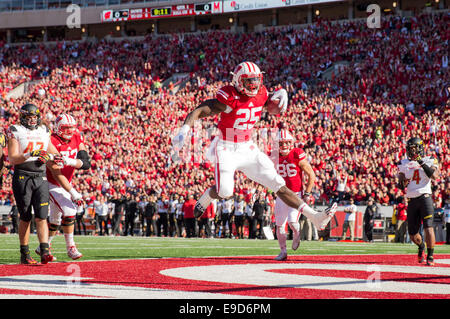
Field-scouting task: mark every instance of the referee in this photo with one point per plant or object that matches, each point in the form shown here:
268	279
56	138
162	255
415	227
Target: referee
416	173
29	150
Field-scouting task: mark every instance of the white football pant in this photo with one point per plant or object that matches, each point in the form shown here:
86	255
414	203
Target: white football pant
284	213
245	157
61	204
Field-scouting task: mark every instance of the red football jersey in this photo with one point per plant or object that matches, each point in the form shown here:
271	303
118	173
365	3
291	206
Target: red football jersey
242	113
288	169
69	149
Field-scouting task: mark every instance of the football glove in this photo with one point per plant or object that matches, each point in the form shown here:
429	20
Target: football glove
59	160
179	139
77	198
419	159
283	97
42	156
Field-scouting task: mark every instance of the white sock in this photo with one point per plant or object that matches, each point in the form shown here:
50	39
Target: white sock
281	236
50	239
69	240
205	199
295	227
310	213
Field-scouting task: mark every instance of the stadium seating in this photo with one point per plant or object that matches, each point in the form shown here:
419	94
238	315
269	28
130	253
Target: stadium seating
353	125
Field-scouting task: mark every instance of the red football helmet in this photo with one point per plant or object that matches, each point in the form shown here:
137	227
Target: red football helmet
247	78
285	142
65	126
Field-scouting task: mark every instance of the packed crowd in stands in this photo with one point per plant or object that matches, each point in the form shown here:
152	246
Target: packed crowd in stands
353	126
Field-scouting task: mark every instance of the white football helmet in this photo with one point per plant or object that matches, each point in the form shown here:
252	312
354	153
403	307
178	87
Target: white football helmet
285	141
247	78
65	126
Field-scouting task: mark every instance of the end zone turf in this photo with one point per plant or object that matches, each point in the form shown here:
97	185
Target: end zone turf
301	277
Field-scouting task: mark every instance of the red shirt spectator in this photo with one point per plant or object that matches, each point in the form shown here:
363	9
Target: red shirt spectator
188	208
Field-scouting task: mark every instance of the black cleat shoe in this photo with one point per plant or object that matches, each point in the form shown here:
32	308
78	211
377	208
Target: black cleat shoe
421	256
26	259
198	210
430	261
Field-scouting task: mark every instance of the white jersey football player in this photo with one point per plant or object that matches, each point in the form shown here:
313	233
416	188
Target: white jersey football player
240	105
29	150
416	173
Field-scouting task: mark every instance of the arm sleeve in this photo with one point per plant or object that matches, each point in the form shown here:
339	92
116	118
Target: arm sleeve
84	158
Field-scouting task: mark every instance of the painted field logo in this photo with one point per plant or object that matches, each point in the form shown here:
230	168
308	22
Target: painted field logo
302	277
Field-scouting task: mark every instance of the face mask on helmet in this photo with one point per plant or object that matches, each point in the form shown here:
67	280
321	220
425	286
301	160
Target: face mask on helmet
247	78
30	116
413	151
251	85
66	131
30	121
285	147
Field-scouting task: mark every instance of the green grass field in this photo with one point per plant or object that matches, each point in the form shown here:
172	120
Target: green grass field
101	248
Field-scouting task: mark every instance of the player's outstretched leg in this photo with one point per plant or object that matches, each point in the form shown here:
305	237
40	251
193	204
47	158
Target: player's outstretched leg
319	219
204	201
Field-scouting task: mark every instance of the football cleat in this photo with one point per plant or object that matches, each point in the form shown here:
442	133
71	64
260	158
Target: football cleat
329	213
430	261
282	256
51	257
73	253
198	210
421	256
26	259
296	241
46	258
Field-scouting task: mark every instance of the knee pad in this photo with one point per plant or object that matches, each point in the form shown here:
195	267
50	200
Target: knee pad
68	221
53	227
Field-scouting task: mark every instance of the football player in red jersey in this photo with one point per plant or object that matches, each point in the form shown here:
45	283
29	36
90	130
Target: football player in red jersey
291	163
64	199
240	105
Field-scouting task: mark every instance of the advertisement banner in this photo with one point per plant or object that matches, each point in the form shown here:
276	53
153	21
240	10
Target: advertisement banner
247	5
337	225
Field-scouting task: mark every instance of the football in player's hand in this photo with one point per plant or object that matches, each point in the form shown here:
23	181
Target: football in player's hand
273	107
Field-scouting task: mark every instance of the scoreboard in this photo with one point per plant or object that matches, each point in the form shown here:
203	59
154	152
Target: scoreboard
162	12
194	9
